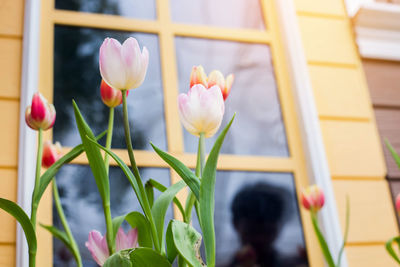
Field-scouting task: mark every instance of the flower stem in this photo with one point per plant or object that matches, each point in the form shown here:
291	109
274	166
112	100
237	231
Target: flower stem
35	201
64	222
109	226
146	205
109	138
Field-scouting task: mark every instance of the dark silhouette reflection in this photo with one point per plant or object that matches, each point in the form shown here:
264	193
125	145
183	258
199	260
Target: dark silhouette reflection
259	212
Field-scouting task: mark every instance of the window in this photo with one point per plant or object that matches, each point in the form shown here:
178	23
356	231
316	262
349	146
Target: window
263	149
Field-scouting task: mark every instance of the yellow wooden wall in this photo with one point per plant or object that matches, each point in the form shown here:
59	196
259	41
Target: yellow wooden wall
11	29
349	131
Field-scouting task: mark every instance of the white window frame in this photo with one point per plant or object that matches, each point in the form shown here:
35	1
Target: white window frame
318	169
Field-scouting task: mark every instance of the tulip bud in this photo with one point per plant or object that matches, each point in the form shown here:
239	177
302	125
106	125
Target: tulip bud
201	110
111	97
51	153
97	244
313	198
216	78
398	203
198	76
40	114
123	67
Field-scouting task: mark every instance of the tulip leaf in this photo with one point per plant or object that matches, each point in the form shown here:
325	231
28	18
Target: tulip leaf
128	173
395	156
207	197
187	242
94	156
160	208
390	250
184	172
147	257
160	187
62	236
49	174
171	249
19	214
119	259
149	192
322	241
346	230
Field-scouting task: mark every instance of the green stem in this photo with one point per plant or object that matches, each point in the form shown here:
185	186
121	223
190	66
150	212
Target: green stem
109	138
321	239
32	259
109	226
64	222
146	205
35	203
199	172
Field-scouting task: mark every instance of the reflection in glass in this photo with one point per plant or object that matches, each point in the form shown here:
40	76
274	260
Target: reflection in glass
258	128
77	76
127	8
83	208
223	13
257	221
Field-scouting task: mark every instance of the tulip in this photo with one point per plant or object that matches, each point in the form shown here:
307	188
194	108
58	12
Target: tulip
398	203
198	76
313	198
40	114
201	110
111	97
123	67
97	244
51	153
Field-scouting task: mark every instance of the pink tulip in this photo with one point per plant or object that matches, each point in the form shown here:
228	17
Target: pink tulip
201	110
123	67
398	203
97	244
51	153
110	96
313	198
198	76
40	114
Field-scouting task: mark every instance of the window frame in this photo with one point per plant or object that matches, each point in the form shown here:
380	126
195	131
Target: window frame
44	19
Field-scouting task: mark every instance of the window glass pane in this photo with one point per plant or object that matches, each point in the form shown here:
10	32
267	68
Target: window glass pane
127	8
224	13
257	220
83	208
258	128
77	76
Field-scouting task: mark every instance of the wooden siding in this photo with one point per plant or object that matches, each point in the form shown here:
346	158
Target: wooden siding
349	130
11	22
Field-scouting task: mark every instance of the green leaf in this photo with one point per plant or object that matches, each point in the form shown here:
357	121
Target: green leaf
119	259
61	235
116	223
94	156
49	174
187	242
149	192
19	214
146	257
160	187
395	156
322	241
346	230
139	221
207	197
160	208
184	172
128	173
389	248
171	249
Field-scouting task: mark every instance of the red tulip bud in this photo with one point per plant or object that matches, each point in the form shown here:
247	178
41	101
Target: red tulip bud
313	198
40	114
51	153
110	96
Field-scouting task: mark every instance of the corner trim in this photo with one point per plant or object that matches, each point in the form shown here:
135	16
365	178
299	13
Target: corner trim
27	137
317	164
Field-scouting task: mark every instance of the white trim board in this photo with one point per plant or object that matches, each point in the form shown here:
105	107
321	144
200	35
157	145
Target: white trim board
377	28
27	137
317	164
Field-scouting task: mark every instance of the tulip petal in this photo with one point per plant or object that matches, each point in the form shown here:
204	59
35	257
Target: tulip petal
97	245
112	67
